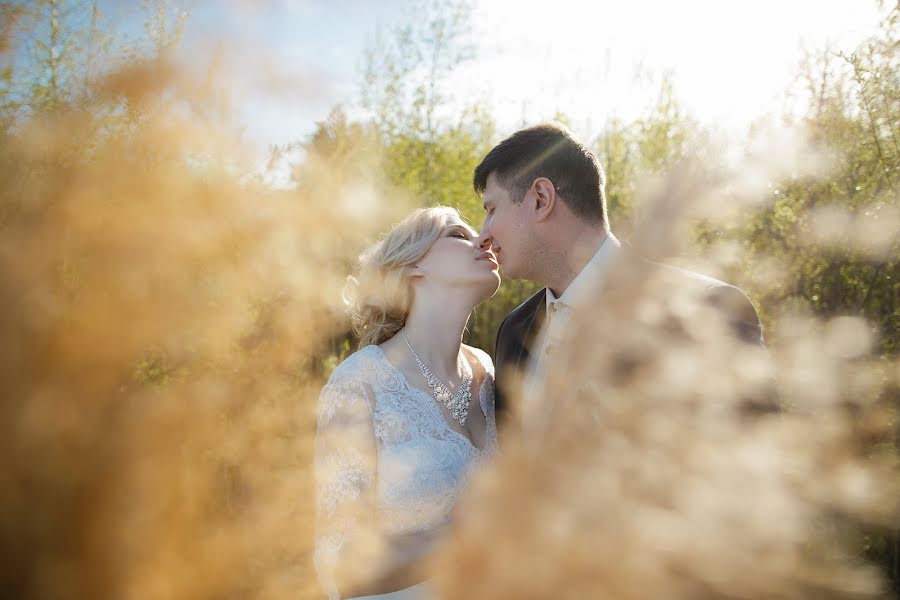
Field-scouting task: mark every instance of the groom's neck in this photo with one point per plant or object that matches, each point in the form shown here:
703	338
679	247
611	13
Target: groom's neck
574	253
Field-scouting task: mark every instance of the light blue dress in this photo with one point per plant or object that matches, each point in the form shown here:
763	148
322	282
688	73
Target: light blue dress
388	464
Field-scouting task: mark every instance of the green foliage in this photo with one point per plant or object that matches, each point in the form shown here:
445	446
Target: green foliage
407	66
664	136
331	361
155	370
429	152
617	153
424	149
66	43
854	268
422	141
348	150
165	24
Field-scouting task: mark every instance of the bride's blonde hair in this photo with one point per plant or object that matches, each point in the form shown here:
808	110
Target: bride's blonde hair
378	298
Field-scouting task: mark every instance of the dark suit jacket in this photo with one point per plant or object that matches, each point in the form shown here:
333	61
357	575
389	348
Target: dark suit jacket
519	330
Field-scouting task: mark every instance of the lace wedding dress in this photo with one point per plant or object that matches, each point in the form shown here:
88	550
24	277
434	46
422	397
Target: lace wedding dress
389	468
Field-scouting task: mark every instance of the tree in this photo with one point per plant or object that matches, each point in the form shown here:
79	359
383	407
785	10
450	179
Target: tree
834	233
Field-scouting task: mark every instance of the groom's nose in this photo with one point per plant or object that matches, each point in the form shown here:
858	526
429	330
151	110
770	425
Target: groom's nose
484	240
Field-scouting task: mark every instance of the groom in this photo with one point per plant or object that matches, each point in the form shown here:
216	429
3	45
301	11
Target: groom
546	221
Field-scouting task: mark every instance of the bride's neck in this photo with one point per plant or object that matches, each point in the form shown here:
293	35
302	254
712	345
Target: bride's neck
434	331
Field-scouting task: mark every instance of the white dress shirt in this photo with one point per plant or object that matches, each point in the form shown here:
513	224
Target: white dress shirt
559	312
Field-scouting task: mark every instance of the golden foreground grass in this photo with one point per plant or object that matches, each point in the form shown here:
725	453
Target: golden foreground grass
165	321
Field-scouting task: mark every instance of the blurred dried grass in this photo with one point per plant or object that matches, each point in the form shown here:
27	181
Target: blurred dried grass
660	472
165	320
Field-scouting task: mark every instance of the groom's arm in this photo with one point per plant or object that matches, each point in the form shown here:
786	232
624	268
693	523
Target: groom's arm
744	323
739	312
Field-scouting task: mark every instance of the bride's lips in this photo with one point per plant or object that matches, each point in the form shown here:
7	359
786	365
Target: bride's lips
488	257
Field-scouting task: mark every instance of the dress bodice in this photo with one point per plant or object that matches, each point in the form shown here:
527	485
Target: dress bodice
386	457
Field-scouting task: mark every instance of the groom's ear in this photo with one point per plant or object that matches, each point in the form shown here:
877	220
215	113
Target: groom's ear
545	197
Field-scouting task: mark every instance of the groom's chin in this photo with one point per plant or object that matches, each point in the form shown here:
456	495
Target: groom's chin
508	271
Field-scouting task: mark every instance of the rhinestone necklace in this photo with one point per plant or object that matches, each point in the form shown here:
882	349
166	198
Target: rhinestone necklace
458	403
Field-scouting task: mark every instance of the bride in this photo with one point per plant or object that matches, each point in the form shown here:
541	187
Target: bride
402	420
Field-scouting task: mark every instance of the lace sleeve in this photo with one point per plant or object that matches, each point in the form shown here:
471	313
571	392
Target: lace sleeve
345	463
487	398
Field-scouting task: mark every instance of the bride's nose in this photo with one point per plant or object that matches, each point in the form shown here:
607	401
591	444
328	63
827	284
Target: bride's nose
483	240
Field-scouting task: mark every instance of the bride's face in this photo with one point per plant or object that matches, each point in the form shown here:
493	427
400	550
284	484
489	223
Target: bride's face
456	261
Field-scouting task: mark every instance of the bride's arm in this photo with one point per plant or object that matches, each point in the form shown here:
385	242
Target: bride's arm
345	464
405	564
353	558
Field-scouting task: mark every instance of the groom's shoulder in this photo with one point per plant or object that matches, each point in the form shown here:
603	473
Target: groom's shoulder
728	298
692	280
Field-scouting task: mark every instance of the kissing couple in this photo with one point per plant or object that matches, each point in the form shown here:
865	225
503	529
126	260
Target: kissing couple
403	421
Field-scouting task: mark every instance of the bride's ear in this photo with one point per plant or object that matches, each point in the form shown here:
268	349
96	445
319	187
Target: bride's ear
416	271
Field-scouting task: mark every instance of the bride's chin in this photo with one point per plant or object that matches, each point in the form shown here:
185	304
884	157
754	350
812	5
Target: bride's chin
490	289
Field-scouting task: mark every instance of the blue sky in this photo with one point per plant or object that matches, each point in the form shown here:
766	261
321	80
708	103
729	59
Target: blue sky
294	60
291	61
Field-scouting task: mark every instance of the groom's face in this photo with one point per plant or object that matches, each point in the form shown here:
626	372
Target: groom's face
506	229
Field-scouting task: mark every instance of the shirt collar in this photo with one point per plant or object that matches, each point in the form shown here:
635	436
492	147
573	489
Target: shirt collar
592	270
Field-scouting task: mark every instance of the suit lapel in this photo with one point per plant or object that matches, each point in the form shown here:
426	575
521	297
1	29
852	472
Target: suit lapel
530	329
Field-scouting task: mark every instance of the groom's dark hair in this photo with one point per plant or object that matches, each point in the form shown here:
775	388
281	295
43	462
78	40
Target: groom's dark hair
548	150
